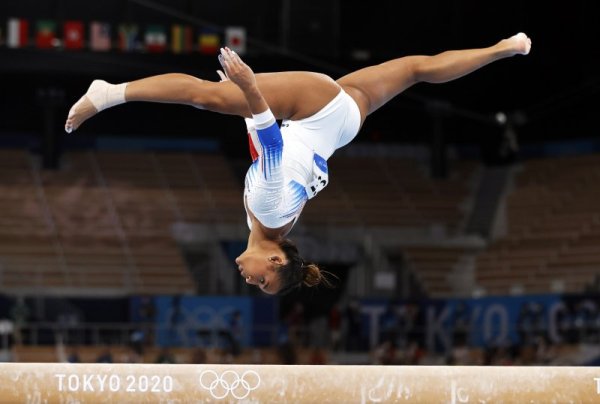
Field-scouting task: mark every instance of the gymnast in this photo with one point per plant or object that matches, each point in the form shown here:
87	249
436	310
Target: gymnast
319	115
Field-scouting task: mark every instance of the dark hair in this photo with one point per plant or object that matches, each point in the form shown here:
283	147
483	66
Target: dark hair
297	273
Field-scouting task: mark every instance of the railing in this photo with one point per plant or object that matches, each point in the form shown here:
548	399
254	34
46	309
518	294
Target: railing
79	282
121	334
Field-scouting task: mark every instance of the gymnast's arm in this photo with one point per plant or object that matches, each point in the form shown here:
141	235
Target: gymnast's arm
241	74
270	139
269	136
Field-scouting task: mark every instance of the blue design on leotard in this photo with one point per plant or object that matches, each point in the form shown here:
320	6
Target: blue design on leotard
273	199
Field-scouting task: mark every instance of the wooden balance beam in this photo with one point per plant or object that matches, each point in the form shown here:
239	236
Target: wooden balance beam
147	383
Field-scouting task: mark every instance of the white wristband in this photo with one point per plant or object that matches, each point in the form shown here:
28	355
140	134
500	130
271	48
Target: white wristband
264	119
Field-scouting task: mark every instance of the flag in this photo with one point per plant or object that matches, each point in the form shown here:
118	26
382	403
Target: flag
209	42
235	39
17	33
100	36
181	39
156	38
45	36
73	34
129	37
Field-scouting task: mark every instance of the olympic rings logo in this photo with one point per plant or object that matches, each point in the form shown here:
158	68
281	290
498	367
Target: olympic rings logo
220	386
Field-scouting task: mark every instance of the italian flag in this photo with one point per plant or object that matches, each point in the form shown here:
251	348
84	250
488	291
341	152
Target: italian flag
17	33
156	38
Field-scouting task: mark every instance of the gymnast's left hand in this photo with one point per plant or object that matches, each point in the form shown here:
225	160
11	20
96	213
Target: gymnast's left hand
237	71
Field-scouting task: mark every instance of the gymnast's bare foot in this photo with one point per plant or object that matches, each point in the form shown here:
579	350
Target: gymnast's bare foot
79	112
519	44
99	96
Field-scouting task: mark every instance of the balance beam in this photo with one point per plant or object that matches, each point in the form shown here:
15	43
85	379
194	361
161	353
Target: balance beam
147	383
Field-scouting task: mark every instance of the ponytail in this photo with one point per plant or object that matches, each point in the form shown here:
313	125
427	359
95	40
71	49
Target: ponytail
313	276
296	273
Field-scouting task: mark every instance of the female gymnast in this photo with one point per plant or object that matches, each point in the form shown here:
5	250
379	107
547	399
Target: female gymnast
319	115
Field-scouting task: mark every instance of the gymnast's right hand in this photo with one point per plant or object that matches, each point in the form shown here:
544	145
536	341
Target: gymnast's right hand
237	71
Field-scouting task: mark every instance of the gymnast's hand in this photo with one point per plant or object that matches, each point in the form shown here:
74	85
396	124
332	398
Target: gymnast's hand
236	70
242	75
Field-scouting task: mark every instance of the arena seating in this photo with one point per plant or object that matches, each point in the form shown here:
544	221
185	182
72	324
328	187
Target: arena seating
553	230
433	267
398	192
103	220
391	192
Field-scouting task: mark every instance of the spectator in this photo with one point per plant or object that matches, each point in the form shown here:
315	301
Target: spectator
19	314
414	353
105	356
73	356
199	356
287	354
296	324
583	322
335	327
388	324
354	333
257	357
386	353
317	357
7	332
236	331
165	356
545	352
136	341
147	316
461	325
132	356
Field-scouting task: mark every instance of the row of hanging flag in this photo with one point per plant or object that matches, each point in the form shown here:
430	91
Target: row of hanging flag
102	36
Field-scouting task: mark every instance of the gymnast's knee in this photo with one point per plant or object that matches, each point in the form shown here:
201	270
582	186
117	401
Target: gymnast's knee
421	69
205	95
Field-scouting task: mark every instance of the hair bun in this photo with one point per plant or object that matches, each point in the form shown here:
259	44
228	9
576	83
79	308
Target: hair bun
313	276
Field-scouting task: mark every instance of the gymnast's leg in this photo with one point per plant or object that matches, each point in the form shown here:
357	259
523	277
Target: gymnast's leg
374	86
289	95
174	88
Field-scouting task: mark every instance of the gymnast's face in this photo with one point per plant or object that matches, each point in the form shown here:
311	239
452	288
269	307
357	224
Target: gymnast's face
259	268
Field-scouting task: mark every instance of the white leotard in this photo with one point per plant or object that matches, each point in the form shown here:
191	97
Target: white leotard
289	162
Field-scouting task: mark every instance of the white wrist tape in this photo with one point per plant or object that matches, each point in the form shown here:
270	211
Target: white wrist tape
264	119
